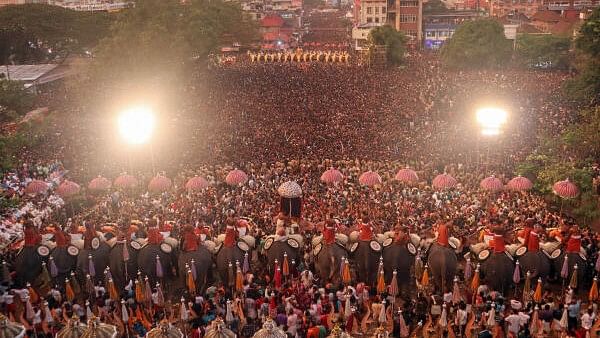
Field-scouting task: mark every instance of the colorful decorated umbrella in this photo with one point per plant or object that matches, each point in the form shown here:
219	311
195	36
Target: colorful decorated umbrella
369	178
112	290
491	184
196	183
290	189
236	177
36	187
593	295
380	283
406	175
191	285
444	181
346	277
475	281
332	176
67	189
425	277
159	183
565	189
519	183
99	184
537	296
125	181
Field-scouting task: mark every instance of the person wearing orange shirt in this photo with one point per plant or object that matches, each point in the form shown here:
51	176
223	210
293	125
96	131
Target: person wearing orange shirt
231	234
32	236
533	240
524	233
443	234
190	240
400	235
61	238
574	241
154	236
329	232
498	243
365	230
88	236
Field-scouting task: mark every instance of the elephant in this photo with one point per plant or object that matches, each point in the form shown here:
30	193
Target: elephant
537	263
498	271
99	259
572	260
277	250
117	264
329	261
28	265
397	257
147	261
203	260
442	262
367	261
64	261
225	256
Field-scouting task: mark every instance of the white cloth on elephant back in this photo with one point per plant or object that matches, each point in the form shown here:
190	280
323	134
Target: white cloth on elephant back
210	245
172	242
415	239
549	247
78	243
512	248
478	247
354	236
220	239
298	238
251	241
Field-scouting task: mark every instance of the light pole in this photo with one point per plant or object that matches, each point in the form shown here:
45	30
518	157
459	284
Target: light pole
136	126
491	120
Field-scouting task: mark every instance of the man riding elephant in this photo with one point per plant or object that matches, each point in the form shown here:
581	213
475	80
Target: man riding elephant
194	256
28	263
498	267
232	249
329	252
398	256
286	242
64	259
442	258
367	252
533	261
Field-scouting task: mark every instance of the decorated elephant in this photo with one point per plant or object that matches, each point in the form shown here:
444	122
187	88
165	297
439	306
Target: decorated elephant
28	263
366	255
226	259
123	260
155	260
328	260
536	262
64	260
276	247
571	259
398	257
442	262
93	261
497	269
198	260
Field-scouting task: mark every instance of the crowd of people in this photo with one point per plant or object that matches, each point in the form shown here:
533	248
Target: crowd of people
281	122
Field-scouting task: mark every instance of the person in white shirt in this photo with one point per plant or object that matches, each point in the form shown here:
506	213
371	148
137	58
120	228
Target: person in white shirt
513	323
587	320
461	318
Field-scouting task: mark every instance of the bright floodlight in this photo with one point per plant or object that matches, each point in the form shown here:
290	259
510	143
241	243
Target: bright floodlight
136	125
491	118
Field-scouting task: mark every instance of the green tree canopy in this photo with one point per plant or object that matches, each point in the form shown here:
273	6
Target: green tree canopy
36	32
14	100
394	41
477	44
588	39
585	87
532	49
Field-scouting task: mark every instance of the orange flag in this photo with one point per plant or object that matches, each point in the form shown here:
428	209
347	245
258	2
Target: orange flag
69	291
190	282
425	278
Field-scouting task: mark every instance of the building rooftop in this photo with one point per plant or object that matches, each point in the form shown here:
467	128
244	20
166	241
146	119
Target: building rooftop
546	16
27	73
271	20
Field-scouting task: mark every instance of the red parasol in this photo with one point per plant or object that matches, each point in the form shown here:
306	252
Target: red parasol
332	176
369	178
99	184
565	189
125	181
519	183
36	187
444	181
68	188
491	184
159	184
236	177
406	175
196	183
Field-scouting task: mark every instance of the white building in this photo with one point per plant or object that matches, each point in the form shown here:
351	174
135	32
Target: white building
92	5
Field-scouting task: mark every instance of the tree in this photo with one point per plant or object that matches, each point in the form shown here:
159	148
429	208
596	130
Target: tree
36	32
477	44
392	39
532	49
14	100
434	6
588	39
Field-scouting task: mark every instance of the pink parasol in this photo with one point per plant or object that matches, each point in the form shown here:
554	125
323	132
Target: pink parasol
519	183
67	189
565	189
196	183
125	181
99	184
36	187
369	178
159	183
444	181
236	177
332	176
406	175
491	184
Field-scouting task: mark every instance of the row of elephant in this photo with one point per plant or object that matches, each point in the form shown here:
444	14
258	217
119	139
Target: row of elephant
158	261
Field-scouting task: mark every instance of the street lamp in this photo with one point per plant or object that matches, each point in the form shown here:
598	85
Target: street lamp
136	125
491	120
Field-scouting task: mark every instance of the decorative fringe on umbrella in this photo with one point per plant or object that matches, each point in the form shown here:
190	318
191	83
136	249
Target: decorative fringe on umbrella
537	296
346	277
403	328
124	312
475	281
91	267
191	285
159	268
193	268
593	295
53	268
69	290
286	265
573	282
246	265
183	312
517	273
112	291
468	269
425	278
47	314
380	283
33	296
564	272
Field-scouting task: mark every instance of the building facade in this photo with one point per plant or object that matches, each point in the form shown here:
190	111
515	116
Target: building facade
407	17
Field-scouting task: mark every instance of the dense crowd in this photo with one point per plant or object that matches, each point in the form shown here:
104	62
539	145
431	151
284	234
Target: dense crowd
281	122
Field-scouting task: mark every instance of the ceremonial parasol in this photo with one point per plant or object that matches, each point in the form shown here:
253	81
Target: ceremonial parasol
290	189
165	330
369	178
593	295
159	183
125	181
537	296
565	189
236	177
97	329
67	189
332	176
270	330
443	181
491	184
475	281
218	329
406	175
74	328
36	187
519	183
99	184
425	278
196	183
